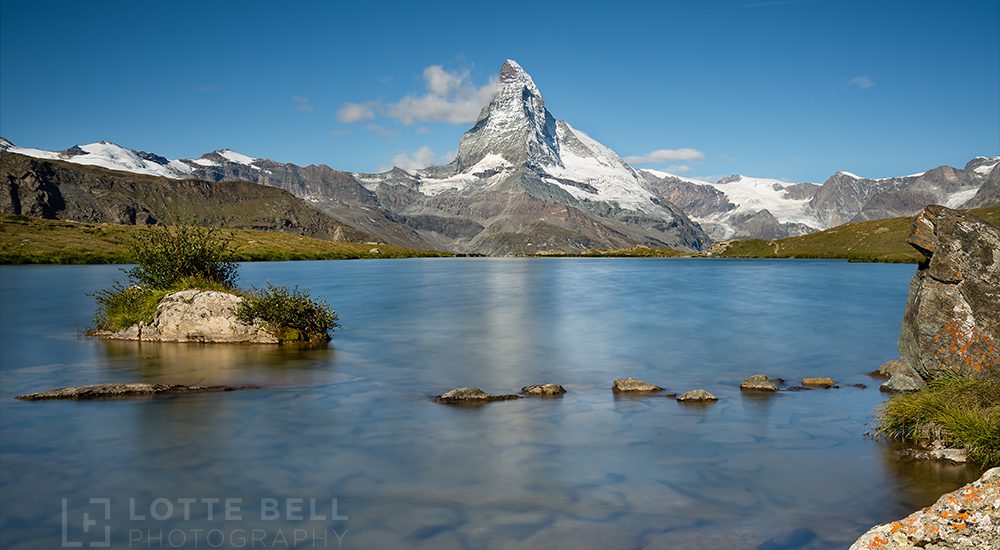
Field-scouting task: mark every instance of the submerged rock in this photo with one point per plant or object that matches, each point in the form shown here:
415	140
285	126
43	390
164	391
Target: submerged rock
633	385
966	518
697	395
938	452
125	391
822	381
543	390
903	382
471	396
951	321
758	382
196	316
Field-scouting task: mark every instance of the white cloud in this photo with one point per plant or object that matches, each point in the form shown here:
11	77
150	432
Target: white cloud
661	156
421	158
382	131
356	112
861	82
678	168
302	104
451	97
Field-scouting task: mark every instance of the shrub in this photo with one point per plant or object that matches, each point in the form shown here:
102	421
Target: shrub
290	313
166	255
960	410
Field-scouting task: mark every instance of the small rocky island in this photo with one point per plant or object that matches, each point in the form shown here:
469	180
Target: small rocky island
184	290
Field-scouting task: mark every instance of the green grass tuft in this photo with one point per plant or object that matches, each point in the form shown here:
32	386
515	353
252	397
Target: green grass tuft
961	410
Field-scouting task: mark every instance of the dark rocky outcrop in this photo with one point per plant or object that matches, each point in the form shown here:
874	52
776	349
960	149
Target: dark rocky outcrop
951	320
56	189
125	391
965	518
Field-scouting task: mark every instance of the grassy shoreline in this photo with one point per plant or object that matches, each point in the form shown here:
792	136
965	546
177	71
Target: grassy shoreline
40	241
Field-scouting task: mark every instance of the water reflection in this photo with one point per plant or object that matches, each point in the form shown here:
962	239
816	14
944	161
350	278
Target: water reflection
354	421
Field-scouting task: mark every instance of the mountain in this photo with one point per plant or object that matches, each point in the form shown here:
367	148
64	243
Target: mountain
740	206
61	190
524	182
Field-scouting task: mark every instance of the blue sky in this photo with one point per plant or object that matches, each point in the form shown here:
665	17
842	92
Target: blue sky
794	89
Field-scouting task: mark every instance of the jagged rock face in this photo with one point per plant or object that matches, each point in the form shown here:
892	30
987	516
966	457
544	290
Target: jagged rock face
988	194
951	321
197	316
843	196
514	125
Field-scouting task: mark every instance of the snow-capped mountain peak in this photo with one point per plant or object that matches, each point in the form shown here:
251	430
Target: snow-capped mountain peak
514	124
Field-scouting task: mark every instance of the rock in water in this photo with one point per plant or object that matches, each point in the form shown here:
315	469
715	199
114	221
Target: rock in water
758	382
697	395
633	385
822	381
543	390
125	391
197	316
966	518
951	320
903	382
470	396
891	367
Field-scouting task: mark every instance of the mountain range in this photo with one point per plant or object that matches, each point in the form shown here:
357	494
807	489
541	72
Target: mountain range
525	182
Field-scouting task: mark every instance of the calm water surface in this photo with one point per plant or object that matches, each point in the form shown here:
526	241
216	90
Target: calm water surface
354	422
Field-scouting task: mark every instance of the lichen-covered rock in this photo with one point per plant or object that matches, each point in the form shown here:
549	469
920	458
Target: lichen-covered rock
543	390
124	391
697	395
903	382
758	382
951	320
633	385
470	396
968	518
197	316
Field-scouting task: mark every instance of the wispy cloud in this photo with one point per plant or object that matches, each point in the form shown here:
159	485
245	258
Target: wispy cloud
302	104
208	88
678	168
421	158
423	130
339	133
356	112
449	96
861	82
381	131
662	156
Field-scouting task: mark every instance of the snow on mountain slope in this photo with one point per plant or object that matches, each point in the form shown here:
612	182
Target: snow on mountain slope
751	195
606	177
112	156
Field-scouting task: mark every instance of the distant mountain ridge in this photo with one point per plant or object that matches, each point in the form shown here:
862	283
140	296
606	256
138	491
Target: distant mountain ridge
525	182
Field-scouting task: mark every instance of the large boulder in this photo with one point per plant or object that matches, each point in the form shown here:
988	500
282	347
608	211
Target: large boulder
966	518
197	316
951	320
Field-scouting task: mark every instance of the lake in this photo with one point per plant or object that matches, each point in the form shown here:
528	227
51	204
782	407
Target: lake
344	447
